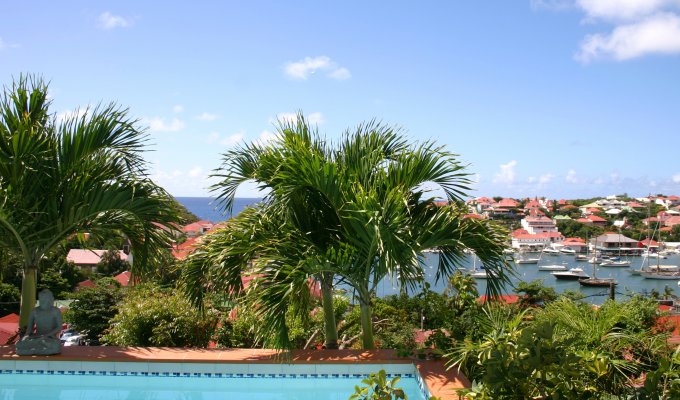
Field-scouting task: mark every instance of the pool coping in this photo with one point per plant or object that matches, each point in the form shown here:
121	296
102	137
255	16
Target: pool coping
440	381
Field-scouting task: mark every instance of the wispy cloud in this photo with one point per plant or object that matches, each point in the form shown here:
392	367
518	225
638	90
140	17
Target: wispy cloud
315	118
177	109
658	34
157	124
624	9
310	65
676	178
571	177
506	175
232	140
108	21
635	28
5	45
206	116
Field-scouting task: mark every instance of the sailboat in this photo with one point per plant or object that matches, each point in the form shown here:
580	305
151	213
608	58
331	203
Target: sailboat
595	281
481	273
524	259
659	272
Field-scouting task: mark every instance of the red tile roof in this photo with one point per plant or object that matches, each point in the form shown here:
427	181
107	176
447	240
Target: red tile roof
86	284
123	278
9	325
595	218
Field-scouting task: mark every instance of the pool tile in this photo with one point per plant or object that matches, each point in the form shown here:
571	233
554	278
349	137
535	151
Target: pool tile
27	365
64	366
265	368
164	367
201	368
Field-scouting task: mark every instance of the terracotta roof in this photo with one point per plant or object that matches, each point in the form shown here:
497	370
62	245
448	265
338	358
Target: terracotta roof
123	278
574	240
507	203
584	221
89	257
86	284
473	216
12	318
648	243
568	207
505	298
198	226
595	218
9	325
182	250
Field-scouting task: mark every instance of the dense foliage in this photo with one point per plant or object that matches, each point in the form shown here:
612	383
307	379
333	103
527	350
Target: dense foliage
150	316
92	309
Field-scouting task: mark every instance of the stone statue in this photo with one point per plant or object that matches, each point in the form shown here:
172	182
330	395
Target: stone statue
42	332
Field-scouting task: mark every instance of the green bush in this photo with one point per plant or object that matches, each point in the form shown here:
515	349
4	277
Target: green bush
149	316
92	309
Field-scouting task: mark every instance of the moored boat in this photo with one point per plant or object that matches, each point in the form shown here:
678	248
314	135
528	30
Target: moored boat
553	267
572	274
599	282
615	263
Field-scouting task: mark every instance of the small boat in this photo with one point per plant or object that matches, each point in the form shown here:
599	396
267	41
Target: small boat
553	267
572	274
661	275
581	257
567	250
615	263
483	274
551	252
599	282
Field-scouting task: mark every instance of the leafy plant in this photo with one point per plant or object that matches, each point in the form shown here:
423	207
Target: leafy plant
378	387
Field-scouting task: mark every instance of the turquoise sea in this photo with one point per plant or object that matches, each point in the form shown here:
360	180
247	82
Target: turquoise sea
206	208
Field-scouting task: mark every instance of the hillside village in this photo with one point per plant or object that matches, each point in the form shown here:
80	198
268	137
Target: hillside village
540	223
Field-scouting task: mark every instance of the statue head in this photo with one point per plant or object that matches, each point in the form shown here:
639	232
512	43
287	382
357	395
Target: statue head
46	299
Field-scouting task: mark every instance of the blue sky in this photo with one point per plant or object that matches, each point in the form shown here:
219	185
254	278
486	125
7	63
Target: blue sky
557	98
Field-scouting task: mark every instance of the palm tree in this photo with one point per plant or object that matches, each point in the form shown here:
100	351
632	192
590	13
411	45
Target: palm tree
61	178
362	207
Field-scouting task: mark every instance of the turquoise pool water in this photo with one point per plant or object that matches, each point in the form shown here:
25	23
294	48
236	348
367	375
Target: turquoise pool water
72	386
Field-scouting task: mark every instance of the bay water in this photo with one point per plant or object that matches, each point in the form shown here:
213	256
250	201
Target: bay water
206	208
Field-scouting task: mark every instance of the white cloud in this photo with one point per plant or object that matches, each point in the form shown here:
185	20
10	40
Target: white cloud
571	177
546	178
195	172
177	109
506	174
266	137
232	139
676	178
110	21
623	9
310	65
159	125
340	74
72	114
315	118
206	116
658	34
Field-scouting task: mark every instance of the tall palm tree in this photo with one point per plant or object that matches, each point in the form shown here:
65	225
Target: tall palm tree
362	207
59	178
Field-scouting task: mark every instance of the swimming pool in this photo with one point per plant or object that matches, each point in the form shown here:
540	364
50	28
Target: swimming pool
66	380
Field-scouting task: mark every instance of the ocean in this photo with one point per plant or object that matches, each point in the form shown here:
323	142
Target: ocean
207	209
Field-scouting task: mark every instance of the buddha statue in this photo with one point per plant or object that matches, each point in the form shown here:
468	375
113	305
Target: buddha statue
44	326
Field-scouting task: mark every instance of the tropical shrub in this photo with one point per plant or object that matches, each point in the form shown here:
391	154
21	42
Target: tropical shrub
92	309
149	316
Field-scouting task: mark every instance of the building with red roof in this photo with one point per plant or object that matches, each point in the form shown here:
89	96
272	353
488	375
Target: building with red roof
197	228
88	259
9	326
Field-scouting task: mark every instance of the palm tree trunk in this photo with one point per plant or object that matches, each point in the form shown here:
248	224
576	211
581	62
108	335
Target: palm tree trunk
366	324
330	328
28	288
